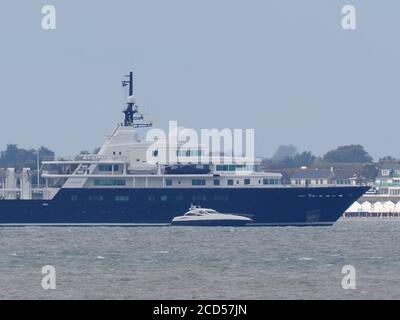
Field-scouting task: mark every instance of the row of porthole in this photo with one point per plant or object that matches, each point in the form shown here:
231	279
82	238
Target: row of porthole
320	195
163	198
229	182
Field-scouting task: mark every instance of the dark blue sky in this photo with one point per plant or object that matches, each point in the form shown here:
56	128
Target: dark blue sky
285	68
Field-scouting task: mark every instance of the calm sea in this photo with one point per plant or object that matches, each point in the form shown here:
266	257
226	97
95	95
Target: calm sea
203	263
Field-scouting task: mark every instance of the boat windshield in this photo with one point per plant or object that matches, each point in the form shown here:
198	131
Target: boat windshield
193	213
200	212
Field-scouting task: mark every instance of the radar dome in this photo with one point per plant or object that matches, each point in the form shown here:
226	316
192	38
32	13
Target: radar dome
131	99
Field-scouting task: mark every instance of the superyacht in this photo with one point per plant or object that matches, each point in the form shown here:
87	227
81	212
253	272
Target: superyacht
119	186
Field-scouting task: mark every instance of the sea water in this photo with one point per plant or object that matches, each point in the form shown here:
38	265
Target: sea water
203	262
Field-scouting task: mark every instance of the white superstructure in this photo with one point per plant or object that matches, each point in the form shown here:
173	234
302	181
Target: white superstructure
122	163
127	160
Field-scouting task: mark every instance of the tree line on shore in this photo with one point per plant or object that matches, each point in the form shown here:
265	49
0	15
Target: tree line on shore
352	158
15	157
287	156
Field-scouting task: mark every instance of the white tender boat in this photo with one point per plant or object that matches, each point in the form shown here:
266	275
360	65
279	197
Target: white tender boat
197	216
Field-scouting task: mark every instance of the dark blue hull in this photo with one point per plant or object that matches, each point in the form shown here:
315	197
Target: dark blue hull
266	206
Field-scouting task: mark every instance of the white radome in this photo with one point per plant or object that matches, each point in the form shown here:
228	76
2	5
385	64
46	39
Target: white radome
131	99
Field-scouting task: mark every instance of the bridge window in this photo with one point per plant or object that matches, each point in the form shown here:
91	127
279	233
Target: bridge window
108	167
105	167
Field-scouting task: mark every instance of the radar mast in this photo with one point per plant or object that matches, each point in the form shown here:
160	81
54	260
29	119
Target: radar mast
133	118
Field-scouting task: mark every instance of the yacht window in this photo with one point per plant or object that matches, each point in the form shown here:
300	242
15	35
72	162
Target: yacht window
198	182
74	198
95	198
230	182
105	167
221	167
164	198
121	198
216	182
168	182
221	198
198	198
108	167
109	182
232	167
272	181
246	181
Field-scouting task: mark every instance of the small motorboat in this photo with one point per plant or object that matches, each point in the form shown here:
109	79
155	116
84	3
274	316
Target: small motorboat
197	216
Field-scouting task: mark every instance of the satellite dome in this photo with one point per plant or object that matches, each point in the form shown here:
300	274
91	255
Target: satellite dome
131	99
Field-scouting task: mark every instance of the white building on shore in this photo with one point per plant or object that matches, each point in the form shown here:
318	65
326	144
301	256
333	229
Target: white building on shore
384	198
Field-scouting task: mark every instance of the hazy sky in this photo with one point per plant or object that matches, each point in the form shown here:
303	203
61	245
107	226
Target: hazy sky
285	68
